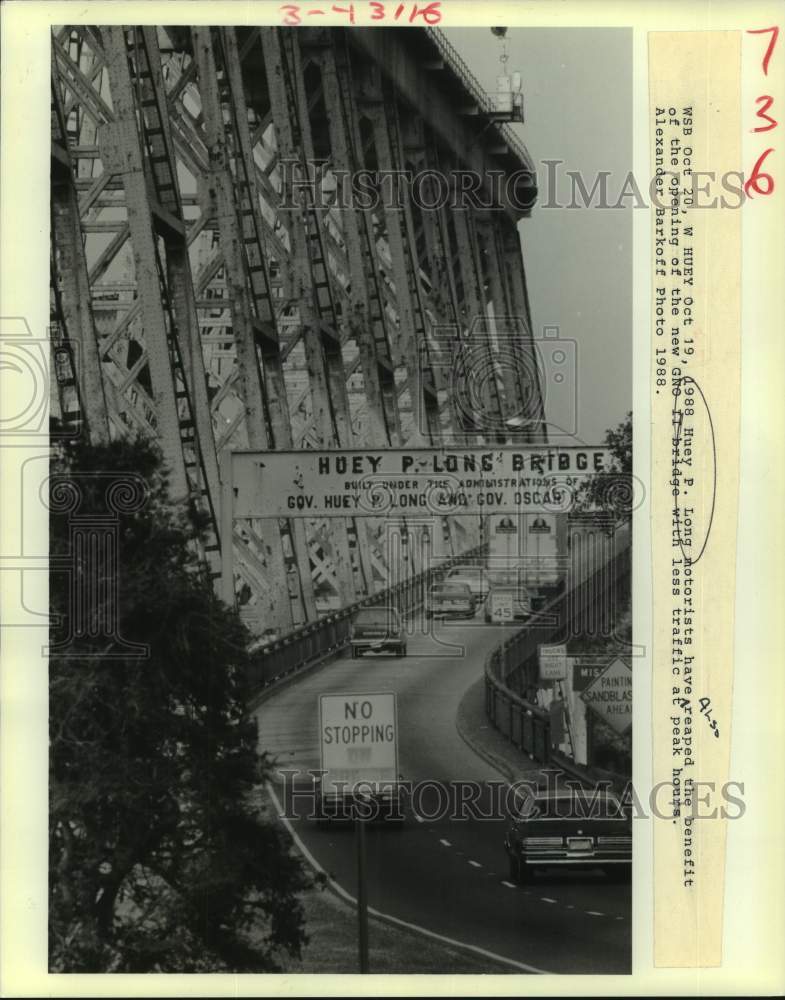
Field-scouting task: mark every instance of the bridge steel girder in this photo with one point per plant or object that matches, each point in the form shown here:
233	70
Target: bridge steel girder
71	288
222	193
312	283
122	155
366	322
325	351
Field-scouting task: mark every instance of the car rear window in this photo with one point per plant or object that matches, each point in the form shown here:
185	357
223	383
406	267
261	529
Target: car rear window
518	592
576	805
376	616
449	589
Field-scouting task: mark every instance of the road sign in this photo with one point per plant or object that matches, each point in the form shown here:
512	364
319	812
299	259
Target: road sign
585	671
553	663
396	481
359	739
610	695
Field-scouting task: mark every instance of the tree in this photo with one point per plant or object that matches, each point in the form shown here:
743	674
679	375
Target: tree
161	854
611	492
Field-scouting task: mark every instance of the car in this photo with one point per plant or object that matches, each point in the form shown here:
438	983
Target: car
503	577
507	603
567	828
475	577
447	598
383	802
377	628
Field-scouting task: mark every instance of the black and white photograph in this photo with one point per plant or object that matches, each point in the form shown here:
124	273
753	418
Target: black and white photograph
340	499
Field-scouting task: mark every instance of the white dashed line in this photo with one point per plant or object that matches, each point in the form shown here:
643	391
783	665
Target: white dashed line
446	843
419	818
475	864
546	899
510	885
570	906
388	917
594	913
620	918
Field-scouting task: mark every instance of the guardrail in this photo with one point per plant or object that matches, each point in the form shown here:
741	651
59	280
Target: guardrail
311	643
522	722
478	92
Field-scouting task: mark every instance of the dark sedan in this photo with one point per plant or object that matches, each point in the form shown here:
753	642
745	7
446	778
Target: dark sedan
571	828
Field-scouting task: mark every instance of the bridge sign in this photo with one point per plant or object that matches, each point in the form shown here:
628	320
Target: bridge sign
610	695
359	739
401	481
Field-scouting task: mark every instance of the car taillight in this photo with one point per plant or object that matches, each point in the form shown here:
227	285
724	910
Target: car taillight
614	841
542	841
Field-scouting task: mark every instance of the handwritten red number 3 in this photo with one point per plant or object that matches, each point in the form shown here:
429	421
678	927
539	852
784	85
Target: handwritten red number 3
770	48
767	100
292	13
760	182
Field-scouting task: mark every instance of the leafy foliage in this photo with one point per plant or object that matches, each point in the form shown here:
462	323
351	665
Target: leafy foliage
161	854
612	492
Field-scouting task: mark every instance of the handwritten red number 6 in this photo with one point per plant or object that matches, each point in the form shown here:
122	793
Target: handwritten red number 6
759	181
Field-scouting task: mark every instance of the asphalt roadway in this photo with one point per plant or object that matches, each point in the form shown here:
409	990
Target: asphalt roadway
446	875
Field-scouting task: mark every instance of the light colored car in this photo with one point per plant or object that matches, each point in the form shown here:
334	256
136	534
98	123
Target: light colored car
507	603
377	628
475	577
448	599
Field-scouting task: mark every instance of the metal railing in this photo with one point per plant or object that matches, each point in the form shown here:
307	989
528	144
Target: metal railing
475	88
514	662
524	724
313	642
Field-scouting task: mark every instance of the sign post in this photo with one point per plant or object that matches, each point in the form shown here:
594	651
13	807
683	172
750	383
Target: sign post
362	896
359	744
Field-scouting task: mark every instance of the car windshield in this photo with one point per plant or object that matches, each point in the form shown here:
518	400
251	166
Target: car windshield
376	616
449	590
466	571
577	804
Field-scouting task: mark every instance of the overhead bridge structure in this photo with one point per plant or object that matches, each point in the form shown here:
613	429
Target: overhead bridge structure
271	238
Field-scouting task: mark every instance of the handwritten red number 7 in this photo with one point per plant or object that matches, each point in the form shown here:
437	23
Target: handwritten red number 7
774	34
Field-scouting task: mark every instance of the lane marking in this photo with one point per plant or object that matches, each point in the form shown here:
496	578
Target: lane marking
547	899
388	917
594	913
419	818
510	885
446	843
475	864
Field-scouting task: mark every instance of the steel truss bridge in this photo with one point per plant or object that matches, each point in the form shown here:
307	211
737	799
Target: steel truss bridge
211	287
